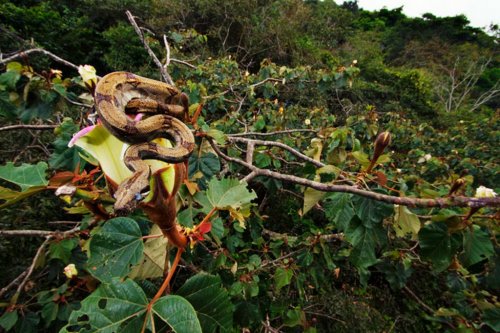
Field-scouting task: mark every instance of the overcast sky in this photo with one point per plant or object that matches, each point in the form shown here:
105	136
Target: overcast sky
481	13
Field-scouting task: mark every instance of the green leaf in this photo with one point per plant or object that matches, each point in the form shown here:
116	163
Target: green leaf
371	212
339	209
438	245
153	261
229	193
210	301
405	222
62	249
282	277
364	241
8	319
491	317
477	246
115	307
114	249
178	314
25	175
362	158
204	166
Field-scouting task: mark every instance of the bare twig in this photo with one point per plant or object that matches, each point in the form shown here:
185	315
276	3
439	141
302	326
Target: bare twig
153	56
39	252
31	127
275	144
457	201
39	50
35	233
13	283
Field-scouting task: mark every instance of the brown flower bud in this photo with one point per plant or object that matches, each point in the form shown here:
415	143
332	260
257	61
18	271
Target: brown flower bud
381	142
457	184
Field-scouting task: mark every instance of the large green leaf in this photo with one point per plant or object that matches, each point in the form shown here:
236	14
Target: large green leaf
477	246
178	313
25	175
121	306
115	248
115	307
203	166
437	245
371	212
339	209
364	241
229	193
211	302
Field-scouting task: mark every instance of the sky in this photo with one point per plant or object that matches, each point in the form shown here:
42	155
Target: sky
481	13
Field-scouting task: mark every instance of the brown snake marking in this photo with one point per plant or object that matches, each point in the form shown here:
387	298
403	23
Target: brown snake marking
121	92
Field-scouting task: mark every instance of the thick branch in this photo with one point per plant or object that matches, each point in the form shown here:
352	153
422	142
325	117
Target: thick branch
458	201
273	133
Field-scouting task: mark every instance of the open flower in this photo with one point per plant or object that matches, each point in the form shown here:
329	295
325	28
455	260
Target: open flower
70	271
484	192
88	74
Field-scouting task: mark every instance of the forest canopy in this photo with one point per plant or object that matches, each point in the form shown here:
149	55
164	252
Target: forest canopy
342	176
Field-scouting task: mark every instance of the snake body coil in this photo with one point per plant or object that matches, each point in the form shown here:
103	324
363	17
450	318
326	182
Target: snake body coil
121	92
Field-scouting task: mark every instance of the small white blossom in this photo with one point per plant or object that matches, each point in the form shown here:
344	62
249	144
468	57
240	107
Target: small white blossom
424	158
484	192
307	121
70	271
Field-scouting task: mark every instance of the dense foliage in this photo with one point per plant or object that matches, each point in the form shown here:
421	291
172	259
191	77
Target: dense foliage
279	255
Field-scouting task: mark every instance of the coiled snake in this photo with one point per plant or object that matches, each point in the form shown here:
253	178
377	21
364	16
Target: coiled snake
120	93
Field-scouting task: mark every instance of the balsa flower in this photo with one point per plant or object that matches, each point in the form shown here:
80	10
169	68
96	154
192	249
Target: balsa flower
70	271
484	192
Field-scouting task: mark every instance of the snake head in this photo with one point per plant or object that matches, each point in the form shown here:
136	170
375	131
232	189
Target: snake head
131	192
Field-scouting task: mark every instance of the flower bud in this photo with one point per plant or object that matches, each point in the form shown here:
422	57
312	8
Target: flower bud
382	141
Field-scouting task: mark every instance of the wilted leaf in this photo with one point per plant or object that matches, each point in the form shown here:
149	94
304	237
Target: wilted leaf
11	196
153	261
210	301
114	249
25	175
405	222
311	198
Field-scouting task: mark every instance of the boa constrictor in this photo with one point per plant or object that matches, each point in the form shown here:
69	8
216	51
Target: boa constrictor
119	93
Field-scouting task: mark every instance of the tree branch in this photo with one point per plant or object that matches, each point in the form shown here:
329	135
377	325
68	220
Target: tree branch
31	127
39	50
272	133
153	56
458	201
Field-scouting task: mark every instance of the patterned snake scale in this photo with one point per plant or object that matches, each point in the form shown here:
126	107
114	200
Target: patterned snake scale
120	93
